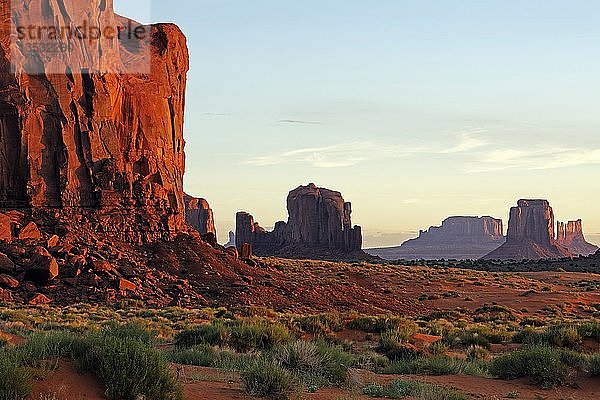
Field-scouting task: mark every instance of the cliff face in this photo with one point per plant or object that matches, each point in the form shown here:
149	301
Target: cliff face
571	237
530	233
199	215
460	238
79	135
319	225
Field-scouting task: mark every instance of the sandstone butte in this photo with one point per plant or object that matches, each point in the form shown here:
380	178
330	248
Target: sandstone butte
531	235
319	226
458	238
92	206
78	134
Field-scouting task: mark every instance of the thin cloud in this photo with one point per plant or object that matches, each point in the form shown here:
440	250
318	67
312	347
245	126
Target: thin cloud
296	121
468	141
541	158
347	154
339	155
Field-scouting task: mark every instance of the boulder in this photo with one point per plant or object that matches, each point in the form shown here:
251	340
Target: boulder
42	267
126	285
39	299
8	281
5	295
30	232
53	241
5	228
102	266
6	264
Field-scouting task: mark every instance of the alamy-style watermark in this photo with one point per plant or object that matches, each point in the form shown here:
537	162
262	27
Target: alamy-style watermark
92	40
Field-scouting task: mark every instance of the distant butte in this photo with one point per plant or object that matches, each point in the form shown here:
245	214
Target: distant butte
319	226
458	238
530	234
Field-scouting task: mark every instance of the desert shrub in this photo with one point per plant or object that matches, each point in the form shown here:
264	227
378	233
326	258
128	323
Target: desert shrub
566	336
134	330
590	330
299	356
203	334
267	379
395	344
371	361
470	337
204	355
250	335
477	353
322	324
15	382
439	327
129	368
382	323
413	389
439	365
336	362
438	348
546	366
593	365
41	348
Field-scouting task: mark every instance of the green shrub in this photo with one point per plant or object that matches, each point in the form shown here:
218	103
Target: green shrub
129	368
202	355
382	323
336	362
134	330
439	365
371	361
566	336
477	353
544	365
249	335
48	346
204	334
266	379
298	357
15	382
322	324
413	389
395	344
590	330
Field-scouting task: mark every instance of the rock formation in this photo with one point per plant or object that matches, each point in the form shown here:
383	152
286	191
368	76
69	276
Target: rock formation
458	238
571	237
530	233
80	136
231	241
92	163
199	215
319	225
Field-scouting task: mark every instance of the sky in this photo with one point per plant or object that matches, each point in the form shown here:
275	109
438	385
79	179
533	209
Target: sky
415	111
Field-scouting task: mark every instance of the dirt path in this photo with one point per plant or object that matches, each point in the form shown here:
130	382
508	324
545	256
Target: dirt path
67	384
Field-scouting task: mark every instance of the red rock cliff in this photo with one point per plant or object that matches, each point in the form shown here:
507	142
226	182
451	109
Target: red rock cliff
78	132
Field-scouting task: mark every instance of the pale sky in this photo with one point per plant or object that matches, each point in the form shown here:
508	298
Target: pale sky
415	111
